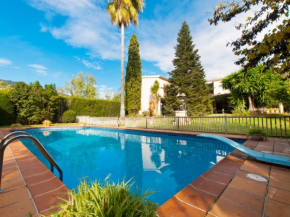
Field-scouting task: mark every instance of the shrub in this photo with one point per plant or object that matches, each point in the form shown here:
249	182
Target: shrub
69	116
146	113
34	103
257	131
16	126
46	122
93	107
136	115
241	112
96	199
6	109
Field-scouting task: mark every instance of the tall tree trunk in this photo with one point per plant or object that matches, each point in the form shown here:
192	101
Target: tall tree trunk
122	111
251	104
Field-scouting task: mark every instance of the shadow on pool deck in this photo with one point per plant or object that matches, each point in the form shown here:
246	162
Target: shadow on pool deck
224	190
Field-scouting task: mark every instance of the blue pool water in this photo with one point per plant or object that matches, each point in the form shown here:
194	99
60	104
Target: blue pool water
162	162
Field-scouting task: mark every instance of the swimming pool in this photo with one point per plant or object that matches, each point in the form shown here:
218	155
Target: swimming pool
163	162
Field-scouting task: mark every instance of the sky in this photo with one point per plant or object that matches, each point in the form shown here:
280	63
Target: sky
50	40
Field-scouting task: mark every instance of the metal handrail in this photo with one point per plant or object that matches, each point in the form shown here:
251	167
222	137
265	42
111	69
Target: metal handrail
9	135
12	134
37	144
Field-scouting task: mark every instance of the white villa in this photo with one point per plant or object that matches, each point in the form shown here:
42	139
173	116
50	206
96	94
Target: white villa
148	81
217	87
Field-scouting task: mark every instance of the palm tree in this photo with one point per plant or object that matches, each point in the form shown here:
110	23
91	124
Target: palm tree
123	12
155	95
252	84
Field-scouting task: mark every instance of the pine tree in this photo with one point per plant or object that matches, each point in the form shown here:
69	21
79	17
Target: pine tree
133	78
187	80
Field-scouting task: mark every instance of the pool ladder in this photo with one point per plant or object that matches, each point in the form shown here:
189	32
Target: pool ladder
24	135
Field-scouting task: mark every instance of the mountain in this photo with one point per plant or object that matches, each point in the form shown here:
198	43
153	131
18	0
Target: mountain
9	82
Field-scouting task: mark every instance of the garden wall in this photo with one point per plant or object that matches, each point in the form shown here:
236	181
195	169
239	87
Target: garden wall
99	121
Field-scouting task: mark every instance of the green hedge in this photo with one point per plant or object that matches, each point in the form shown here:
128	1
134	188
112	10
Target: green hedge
7	115
93	107
82	107
69	116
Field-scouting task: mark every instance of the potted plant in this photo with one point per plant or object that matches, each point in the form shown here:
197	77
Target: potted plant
257	134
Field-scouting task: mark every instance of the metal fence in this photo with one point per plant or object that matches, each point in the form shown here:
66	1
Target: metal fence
99	121
274	126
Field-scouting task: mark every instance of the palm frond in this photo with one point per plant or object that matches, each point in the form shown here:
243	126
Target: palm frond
125	11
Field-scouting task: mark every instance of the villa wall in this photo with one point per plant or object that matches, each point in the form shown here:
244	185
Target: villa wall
147	82
217	87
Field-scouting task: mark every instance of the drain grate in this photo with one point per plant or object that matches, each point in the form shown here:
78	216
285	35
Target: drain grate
256	177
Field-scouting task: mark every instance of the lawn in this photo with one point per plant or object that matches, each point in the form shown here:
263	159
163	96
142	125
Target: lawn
41	125
273	124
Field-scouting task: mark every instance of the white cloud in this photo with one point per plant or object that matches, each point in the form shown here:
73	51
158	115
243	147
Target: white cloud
103	89
148	72
43	27
217	59
5	62
157	37
39	69
56	74
161	55
89	64
87	25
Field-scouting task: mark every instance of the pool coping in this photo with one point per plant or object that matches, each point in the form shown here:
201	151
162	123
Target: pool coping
200	198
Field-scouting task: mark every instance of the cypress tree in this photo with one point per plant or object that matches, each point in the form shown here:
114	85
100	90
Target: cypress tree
187	80
133	77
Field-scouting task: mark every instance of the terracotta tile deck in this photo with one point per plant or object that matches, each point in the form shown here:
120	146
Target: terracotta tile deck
29	187
224	190
239	195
